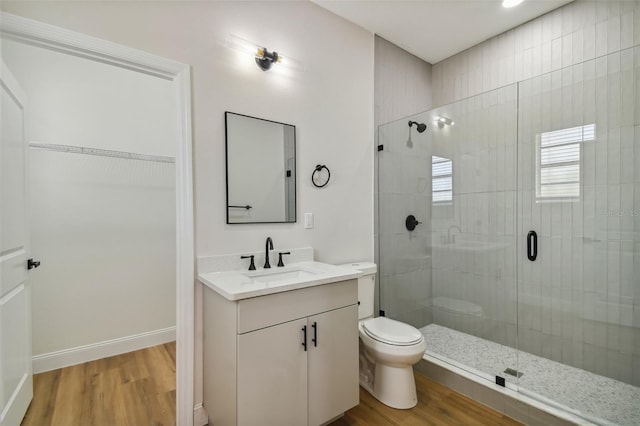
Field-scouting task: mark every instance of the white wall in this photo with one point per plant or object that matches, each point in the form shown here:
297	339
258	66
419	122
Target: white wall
103	228
78	102
331	104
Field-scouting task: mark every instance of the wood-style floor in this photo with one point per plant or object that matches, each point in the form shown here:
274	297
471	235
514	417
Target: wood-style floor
139	389
437	405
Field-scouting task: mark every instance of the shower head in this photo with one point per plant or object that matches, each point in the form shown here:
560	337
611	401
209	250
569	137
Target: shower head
421	127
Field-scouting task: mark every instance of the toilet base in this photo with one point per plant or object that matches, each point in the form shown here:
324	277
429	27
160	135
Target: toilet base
393	386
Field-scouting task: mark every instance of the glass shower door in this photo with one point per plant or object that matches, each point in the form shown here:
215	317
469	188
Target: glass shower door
404	189
579	197
473	234
454	275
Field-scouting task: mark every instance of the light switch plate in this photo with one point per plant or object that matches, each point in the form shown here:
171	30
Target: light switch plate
308	220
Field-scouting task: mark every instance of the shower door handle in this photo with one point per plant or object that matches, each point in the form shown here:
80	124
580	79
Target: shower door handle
532	245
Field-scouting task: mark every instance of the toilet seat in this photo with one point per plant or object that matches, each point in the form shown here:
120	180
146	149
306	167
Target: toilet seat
391	332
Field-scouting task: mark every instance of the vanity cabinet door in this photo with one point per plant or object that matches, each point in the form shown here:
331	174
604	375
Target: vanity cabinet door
272	376
333	364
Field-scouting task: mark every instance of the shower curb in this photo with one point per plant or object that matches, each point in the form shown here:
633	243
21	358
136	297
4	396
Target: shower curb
506	401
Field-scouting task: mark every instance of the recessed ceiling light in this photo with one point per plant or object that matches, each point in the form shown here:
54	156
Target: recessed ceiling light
510	3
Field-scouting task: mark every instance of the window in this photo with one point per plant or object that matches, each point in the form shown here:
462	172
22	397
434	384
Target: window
558	162
441	180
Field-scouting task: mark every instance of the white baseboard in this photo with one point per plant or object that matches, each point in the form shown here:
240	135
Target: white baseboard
200	417
78	355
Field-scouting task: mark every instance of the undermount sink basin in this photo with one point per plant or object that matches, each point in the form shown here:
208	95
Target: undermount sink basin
271	276
236	285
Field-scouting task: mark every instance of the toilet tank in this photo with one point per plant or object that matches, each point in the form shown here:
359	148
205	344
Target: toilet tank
366	287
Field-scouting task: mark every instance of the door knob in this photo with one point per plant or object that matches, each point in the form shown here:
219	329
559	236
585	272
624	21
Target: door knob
32	263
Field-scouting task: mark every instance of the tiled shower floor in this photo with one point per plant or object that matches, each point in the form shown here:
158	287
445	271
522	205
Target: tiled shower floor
594	395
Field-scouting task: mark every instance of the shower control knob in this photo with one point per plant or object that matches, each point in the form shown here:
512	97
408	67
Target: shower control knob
411	222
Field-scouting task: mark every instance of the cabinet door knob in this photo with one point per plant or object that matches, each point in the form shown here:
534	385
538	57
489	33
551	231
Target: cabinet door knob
304	338
315	334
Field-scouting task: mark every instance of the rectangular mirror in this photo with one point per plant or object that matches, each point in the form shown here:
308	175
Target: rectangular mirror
261	170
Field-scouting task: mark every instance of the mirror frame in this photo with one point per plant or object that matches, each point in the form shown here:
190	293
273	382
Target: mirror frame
226	159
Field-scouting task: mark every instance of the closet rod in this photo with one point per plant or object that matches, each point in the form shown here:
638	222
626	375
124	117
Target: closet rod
101	152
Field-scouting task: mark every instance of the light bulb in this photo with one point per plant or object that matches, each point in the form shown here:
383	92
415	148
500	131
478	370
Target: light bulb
510	3
244	46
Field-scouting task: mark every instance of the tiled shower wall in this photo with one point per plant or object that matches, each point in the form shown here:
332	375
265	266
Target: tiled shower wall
574	33
402	83
580	303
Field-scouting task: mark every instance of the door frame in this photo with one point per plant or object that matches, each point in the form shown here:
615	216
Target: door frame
51	37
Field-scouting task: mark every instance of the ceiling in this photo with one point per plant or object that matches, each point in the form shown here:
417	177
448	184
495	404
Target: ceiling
433	30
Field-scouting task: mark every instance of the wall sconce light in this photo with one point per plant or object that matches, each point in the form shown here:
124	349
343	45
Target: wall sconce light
263	57
443	121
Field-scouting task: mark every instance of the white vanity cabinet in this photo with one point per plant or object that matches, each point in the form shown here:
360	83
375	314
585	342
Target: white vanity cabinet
257	368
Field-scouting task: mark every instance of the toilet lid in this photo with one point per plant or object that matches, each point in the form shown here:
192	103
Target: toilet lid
392	332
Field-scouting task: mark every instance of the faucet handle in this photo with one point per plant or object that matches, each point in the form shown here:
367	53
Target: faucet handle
280	263
252	266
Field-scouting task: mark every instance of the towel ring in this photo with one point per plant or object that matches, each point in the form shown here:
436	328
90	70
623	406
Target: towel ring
318	169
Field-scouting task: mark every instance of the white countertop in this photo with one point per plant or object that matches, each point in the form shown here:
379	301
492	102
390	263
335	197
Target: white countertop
238	285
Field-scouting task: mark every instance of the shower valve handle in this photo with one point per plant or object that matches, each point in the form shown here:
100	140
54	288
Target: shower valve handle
411	222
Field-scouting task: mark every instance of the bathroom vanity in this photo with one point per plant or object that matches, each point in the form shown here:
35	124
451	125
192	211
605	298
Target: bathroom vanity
281	345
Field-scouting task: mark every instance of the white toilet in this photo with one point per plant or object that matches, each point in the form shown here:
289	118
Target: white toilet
388	348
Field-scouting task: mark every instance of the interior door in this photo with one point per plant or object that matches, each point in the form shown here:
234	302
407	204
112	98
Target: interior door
16	386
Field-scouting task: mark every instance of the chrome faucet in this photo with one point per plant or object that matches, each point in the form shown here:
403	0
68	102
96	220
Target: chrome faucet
269	245
452	238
